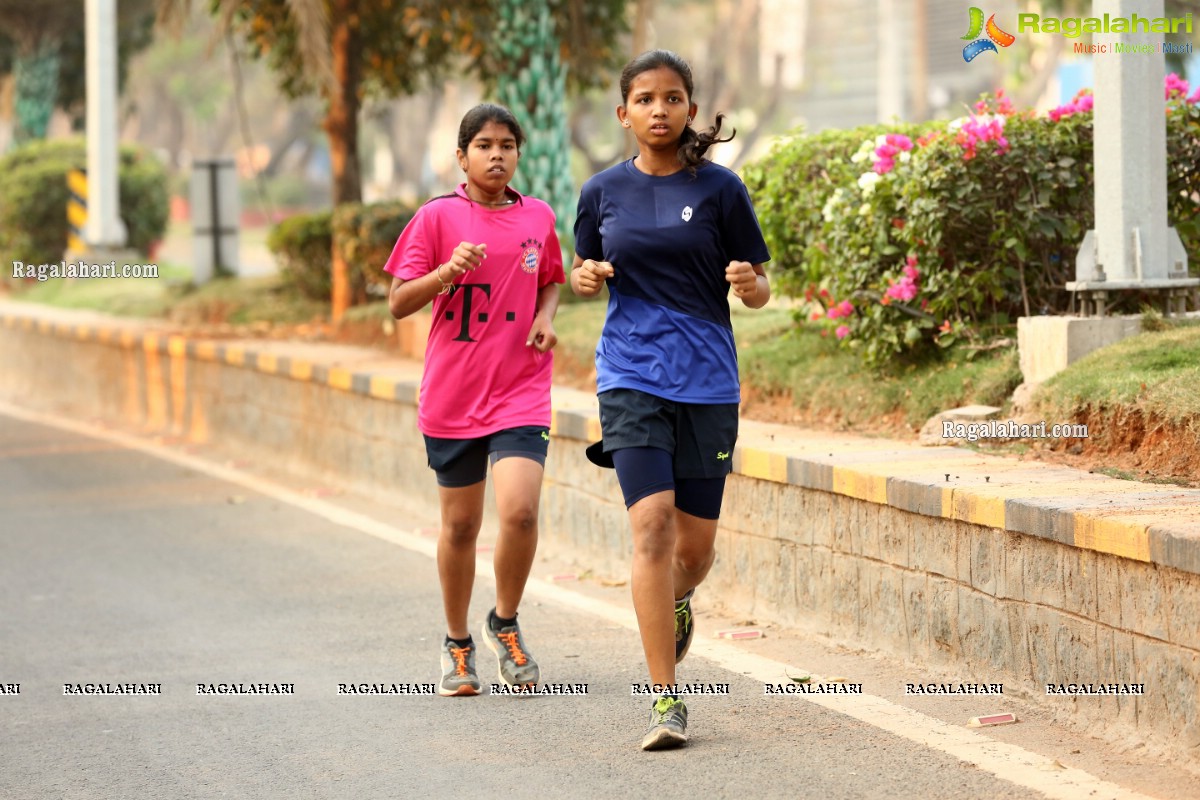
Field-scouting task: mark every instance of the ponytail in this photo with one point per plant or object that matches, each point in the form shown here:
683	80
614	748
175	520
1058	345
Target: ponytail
693	146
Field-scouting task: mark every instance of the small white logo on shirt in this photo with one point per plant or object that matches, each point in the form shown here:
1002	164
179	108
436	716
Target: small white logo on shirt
687	213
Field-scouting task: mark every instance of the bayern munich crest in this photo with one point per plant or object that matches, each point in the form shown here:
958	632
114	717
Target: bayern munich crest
530	255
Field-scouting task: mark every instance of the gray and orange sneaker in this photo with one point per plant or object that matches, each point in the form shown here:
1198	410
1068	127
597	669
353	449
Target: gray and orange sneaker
458	670
516	665
668	724
684	625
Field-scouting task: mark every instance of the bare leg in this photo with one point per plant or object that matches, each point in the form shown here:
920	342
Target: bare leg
462	516
653	522
694	553
518	485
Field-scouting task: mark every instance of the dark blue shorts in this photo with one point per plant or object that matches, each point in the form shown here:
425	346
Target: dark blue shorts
699	437
463	462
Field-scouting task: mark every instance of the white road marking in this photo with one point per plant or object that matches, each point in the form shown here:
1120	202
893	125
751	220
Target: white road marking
1008	762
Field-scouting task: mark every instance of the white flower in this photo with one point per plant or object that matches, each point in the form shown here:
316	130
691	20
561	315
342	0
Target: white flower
864	209
905	156
867	181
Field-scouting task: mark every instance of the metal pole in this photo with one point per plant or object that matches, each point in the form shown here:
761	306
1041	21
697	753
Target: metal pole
214	206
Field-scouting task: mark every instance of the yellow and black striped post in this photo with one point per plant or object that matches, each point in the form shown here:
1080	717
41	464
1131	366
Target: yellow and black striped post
77	210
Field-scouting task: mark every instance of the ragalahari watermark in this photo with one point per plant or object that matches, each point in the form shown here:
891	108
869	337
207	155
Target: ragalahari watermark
82	269
1011	429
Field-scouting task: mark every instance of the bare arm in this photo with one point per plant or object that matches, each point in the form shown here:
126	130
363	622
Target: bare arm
588	276
541	334
407	297
749	283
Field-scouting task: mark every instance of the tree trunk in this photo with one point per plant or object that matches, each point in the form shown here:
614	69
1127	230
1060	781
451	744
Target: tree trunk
341	124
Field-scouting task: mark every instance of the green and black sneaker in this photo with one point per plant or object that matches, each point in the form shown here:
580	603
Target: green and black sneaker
668	724
684	625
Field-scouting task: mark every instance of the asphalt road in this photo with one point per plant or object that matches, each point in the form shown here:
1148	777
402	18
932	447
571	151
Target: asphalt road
117	567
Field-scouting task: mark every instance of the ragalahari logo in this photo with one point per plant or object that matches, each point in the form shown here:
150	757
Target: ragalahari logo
995	36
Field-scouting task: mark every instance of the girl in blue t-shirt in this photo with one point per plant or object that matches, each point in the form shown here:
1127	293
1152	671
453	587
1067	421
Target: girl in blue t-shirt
670	234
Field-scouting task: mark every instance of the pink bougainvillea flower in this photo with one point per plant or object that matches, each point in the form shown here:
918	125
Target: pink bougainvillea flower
885	154
977	130
1174	85
1082	103
945	328
842	331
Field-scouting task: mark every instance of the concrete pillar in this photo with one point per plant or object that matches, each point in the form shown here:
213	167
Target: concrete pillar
1131	151
104	230
1131	246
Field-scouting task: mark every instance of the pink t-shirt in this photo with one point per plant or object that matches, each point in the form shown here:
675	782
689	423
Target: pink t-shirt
480	376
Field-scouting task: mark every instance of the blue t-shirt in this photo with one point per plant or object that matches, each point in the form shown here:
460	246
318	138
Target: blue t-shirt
669	238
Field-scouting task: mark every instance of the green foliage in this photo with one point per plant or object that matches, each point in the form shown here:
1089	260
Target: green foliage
43	41
991	228
1183	176
1008	246
403	45
33	198
366	234
303	248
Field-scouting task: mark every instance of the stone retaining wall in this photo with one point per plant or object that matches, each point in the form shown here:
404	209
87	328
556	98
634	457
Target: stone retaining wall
1029	575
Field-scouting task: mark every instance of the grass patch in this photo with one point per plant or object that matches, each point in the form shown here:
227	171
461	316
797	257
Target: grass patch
1156	372
171	296
128	297
241	301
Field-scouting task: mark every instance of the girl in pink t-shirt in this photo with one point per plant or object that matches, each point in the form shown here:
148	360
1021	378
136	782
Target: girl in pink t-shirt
489	260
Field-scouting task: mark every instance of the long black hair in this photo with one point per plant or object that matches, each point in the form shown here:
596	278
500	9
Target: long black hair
692	145
474	120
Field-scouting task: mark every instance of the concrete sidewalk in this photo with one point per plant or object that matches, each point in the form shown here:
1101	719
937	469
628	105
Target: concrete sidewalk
1039	574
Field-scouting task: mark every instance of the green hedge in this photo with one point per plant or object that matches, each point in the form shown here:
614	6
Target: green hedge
990	231
33	198
365	233
303	246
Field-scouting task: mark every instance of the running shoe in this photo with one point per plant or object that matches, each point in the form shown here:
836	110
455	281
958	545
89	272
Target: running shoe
684	627
459	678
668	724
517	667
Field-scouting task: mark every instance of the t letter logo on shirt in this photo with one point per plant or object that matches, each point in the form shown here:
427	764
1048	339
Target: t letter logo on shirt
687	213
466	290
